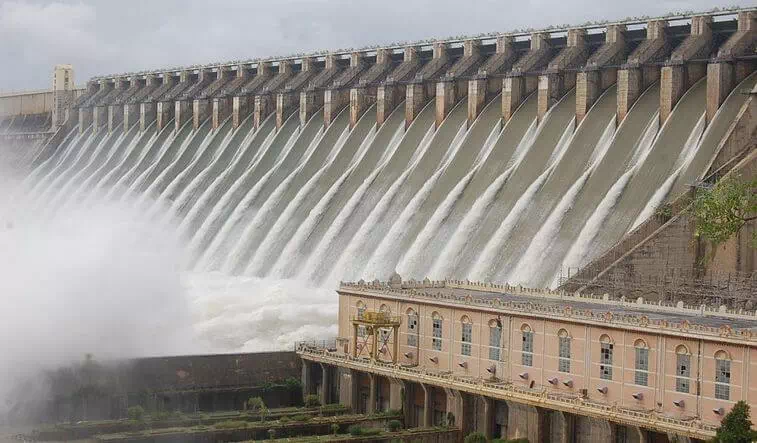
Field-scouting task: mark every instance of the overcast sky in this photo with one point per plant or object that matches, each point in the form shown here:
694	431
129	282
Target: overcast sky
108	36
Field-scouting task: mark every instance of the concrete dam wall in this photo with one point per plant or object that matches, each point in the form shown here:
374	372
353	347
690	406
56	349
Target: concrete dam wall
506	158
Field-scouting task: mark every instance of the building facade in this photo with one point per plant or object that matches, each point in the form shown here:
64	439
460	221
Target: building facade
548	366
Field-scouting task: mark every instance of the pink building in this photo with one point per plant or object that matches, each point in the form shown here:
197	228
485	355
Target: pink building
547	366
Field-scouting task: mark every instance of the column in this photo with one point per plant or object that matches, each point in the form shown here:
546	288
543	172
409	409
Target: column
372	394
427	408
396	389
487	418
307	377
323	394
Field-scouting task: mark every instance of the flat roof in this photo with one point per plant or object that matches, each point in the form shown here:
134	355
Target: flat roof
701	320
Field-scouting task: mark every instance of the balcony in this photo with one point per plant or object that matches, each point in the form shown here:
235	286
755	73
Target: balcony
540	397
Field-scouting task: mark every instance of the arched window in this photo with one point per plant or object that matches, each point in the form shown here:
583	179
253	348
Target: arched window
437	324
466	335
527	349
385	309
361	331
495	339
722	375
641	376
683	369
563	362
412	327
605	357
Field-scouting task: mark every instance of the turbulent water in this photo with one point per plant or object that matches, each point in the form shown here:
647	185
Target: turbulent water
269	220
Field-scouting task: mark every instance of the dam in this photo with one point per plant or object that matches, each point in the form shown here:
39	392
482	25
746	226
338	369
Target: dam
506	157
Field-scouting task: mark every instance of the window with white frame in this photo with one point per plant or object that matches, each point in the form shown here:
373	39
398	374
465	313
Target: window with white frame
563	362
495	339
466	336
605	358
360	310
683	369
412	328
722	376
641	375
436	340
361	331
527	350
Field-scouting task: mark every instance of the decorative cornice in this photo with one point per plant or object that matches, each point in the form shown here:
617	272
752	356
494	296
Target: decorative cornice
571	310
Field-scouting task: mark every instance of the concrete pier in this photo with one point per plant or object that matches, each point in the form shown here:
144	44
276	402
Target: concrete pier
287	100
132	112
640	70
265	102
679	74
99	117
222	103
263	107
366	92
285	105
560	76
483	86
201	110
85	119
600	72
450	89
338	96
243	104
518	84
116	109
727	71
312	99
391	93
421	89
182	113
202	106
148	112
115	116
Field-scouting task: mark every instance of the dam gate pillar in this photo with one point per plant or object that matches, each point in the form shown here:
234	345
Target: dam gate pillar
725	72
640	70
680	73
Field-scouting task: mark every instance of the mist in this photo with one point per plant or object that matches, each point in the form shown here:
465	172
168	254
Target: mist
100	276
84	280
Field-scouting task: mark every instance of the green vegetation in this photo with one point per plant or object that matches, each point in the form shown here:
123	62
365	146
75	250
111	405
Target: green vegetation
312	401
300	417
335	429
394	425
256	405
736	426
515	440
475	437
231	424
136	413
721	211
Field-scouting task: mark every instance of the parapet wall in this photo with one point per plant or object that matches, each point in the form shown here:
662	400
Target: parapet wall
31	102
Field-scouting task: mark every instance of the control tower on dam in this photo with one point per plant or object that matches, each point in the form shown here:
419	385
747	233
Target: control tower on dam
506	157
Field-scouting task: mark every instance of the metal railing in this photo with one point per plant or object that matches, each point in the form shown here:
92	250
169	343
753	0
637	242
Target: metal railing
695	428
